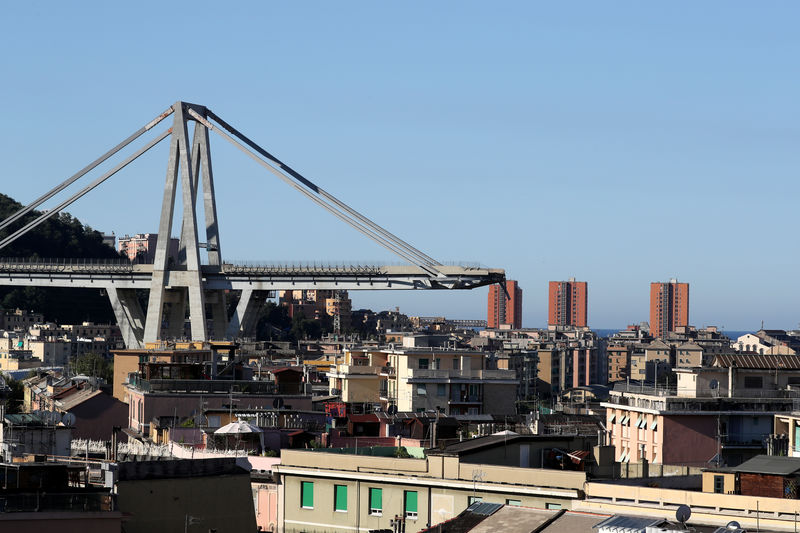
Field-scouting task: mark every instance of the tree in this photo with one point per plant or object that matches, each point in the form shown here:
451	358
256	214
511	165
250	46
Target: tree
92	364
17	396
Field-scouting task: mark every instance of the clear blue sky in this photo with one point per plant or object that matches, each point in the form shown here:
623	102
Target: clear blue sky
620	143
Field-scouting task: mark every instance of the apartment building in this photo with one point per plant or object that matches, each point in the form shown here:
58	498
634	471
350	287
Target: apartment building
619	361
505	309
669	307
142	247
723	411
338	492
567	303
453	381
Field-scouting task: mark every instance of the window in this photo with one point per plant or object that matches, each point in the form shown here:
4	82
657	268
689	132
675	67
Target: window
455	364
410	501
440	390
307	494
473	499
340	498
515	503
422	389
719	484
423	364
552	506
375	501
437	363
753	382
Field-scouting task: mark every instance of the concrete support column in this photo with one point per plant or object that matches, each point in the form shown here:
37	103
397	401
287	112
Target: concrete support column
128	313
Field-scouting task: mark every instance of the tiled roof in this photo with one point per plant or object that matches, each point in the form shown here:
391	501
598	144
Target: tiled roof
756	361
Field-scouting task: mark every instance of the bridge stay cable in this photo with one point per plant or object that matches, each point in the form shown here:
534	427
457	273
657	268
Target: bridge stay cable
383	241
69	201
88	168
424	258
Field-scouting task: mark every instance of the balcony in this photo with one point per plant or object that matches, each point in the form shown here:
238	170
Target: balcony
204	386
465	398
65	502
357	370
459	375
387	395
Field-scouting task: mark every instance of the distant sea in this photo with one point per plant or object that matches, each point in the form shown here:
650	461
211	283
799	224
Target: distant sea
608	332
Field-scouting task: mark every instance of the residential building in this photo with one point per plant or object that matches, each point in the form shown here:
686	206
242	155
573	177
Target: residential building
619	361
142	247
505	309
669	307
36	497
453	381
567	303
332	490
723	412
19	320
689	355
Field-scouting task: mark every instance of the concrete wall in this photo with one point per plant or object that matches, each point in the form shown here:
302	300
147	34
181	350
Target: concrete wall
774	514
224	503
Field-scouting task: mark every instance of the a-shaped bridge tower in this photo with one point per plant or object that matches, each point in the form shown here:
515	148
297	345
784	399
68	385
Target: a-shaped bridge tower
178	286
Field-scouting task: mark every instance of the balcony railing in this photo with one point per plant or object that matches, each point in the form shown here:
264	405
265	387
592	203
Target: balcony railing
466	398
205	386
31	502
358	370
462	374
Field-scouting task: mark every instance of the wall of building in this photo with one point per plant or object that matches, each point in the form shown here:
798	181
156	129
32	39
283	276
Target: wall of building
223	502
775	514
689	439
265	499
728	482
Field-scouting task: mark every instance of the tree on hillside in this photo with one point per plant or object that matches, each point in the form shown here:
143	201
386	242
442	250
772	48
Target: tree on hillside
63	237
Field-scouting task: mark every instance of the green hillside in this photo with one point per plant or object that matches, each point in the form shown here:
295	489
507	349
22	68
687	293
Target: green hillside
61	236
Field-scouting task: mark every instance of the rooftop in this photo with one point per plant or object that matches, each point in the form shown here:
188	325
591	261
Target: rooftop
766	464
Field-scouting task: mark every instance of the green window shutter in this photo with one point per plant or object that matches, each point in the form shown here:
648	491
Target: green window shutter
411	501
307	494
376	499
340	497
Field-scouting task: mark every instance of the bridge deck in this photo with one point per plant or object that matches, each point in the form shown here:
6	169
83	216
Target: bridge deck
123	274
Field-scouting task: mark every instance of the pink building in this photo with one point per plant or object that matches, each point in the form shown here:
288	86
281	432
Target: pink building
142	247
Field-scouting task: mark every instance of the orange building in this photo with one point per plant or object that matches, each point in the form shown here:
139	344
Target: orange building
567	303
505	310
669	307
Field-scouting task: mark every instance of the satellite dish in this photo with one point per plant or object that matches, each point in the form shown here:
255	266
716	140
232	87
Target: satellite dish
714	384
68	419
277	403
683	514
392	410
733	525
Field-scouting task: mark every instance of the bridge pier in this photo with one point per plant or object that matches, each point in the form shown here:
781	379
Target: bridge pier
130	317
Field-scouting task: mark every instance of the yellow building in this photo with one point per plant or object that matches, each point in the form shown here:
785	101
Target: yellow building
452	381
338	492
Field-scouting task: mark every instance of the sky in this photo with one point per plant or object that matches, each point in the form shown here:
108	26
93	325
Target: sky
619	143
